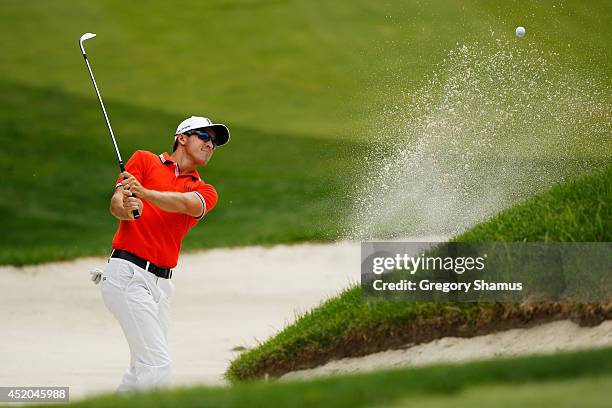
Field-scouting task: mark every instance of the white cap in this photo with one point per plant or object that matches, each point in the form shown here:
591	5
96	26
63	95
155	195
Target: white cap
199	122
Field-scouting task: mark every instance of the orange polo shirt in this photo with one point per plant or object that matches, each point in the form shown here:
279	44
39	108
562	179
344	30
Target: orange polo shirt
157	235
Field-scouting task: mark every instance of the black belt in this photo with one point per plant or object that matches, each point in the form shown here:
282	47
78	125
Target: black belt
165	273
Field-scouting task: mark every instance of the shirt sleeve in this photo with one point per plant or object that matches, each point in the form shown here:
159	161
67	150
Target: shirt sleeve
208	195
135	166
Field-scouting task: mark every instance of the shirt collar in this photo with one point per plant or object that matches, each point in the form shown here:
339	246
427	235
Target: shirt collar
167	160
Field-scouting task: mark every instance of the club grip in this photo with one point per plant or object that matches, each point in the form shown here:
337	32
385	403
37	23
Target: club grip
135	213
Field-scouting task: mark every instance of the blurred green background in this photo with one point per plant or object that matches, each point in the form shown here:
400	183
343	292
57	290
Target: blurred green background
301	84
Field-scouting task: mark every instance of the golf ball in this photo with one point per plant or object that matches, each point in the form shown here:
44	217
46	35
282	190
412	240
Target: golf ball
520	31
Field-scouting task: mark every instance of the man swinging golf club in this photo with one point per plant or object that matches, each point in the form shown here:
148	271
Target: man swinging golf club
170	198
157	199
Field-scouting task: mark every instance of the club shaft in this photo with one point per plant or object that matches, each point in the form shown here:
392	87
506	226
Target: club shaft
110	129
135	213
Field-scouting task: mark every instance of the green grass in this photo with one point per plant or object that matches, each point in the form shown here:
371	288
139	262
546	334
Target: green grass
583	392
302	85
534	380
347	326
285	65
576	211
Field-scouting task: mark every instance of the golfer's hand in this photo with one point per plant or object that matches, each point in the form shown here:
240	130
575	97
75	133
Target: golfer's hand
96	275
131	203
130	183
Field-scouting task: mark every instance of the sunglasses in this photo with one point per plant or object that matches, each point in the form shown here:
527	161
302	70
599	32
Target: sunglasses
205	136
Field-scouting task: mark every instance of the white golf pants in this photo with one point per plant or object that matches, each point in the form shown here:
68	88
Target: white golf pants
140	301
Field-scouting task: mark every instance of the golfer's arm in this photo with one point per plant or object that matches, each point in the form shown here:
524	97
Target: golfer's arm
116	205
184	203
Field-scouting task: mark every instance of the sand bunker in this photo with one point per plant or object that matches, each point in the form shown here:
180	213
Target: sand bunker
543	339
56	330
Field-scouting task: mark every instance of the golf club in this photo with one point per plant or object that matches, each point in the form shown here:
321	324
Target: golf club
83	38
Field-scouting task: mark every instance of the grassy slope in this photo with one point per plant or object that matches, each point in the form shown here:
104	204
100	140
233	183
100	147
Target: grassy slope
297	81
577	211
527	381
347	326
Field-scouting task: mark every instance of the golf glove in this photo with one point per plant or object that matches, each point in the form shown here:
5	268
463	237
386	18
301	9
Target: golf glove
96	275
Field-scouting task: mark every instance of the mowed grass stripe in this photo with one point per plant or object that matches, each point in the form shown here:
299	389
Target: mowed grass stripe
305	67
585	392
381	388
60	168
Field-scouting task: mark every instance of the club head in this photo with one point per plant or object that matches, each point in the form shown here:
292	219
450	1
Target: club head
85	37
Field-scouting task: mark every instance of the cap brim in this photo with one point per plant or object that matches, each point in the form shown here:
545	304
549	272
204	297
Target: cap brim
221	131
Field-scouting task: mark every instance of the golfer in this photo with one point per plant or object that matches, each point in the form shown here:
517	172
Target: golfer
136	283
